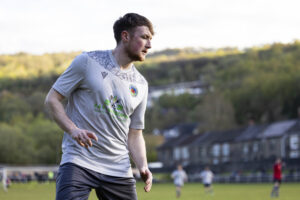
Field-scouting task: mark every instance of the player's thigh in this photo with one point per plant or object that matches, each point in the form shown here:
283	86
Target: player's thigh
113	191
72	183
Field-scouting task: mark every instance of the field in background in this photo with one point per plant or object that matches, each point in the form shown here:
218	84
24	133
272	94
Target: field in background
191	191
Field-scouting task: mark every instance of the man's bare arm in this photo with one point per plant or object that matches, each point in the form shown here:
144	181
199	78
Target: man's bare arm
53	104
137	149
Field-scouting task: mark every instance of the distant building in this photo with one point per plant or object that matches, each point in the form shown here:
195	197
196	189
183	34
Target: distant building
253	147
173	150
193	87
176	130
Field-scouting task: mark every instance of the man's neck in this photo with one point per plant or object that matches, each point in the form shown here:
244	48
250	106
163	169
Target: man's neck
121	57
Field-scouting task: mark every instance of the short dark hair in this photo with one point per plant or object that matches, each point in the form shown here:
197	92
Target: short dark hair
128	22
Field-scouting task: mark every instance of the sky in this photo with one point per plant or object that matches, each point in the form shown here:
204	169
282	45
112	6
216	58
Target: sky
48	26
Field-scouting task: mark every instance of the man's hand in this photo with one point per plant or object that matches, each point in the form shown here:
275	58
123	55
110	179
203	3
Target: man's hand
146	176
83	137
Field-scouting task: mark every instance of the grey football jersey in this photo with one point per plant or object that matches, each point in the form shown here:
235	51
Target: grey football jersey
108	101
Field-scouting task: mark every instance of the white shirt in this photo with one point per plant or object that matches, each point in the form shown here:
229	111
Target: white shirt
179	177
108	101
207	177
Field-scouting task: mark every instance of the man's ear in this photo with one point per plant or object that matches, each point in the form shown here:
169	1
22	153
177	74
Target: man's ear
125	36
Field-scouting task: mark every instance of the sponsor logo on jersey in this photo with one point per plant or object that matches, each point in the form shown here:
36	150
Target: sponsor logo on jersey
113	107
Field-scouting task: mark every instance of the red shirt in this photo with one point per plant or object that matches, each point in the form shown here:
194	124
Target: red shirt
277	171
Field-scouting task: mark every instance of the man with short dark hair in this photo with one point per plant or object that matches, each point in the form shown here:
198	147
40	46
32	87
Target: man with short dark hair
104	117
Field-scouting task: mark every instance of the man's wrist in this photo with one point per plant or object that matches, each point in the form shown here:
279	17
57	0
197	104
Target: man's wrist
72	129
143	169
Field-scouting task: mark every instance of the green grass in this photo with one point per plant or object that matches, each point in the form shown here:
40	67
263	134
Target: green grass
191	191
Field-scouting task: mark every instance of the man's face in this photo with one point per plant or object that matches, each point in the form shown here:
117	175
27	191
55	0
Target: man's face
138	44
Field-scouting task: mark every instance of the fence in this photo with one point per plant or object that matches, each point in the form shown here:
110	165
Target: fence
249	178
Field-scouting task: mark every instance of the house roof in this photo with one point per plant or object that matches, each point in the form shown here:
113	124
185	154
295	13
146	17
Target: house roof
277	129
185	130
188	140
216	137
181	128
206	138
251	132
173	141
295	128
229	136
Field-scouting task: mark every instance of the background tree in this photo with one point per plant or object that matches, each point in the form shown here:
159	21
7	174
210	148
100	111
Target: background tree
214	113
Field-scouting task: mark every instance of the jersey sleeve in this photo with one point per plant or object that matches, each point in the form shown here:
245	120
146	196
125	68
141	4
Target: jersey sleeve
138	116
72	77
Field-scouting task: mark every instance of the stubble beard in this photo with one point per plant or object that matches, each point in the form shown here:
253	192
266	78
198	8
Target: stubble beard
134	56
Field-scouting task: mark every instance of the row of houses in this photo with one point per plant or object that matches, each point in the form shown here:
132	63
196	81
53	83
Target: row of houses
254	147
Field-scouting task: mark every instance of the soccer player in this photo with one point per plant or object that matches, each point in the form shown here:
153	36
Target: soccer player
104	116
179	177
207	178
276	177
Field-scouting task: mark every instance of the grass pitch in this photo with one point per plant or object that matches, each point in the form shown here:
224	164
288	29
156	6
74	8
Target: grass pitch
191	191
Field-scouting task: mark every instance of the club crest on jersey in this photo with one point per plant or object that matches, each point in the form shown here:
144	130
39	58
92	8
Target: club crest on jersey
133	90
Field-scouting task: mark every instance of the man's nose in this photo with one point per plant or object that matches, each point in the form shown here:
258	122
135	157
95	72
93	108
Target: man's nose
148	45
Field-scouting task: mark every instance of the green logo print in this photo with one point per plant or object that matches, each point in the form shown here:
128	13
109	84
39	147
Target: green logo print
112	107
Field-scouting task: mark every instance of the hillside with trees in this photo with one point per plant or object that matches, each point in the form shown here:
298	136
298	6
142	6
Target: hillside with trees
259	83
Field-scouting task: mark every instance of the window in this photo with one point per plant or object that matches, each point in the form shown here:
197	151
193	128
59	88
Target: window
294	142
176	154
185	153
216	150
225	149
294	154
215	161
294	146
255	147
246	149
245	156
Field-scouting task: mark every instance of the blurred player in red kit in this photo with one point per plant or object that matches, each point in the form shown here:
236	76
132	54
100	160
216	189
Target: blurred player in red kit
276	177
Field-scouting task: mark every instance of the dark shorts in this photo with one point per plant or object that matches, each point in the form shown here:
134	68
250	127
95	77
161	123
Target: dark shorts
277	180
74	182
207	185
